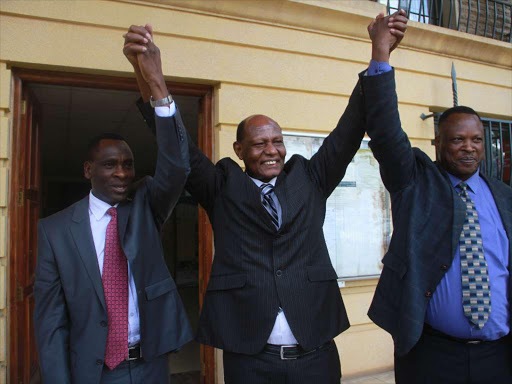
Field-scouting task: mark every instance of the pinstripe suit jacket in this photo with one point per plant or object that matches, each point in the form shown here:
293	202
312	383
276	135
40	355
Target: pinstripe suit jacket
427	218
257	268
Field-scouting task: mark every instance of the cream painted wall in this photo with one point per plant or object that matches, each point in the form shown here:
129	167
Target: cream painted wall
295	60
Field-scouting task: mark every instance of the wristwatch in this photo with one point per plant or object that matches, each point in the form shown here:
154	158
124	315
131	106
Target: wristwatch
160	103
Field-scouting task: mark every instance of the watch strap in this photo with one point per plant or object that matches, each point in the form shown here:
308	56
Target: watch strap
160	103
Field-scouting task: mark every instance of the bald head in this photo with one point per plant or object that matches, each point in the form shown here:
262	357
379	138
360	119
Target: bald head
253	120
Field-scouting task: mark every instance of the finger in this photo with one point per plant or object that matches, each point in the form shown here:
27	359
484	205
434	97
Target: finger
379	16
132	37
149	28
400	26
399	18
133	49
370	26
397	33
139	29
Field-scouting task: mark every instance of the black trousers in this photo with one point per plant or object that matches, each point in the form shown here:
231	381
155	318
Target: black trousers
437	360
320	367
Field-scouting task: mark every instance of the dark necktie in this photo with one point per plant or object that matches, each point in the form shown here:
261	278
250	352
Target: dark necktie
115	287
476	293
267	190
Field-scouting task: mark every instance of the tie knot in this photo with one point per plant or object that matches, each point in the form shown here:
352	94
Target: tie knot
463	185
112	212
266	189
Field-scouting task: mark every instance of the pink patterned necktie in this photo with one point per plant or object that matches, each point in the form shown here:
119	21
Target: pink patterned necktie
115	287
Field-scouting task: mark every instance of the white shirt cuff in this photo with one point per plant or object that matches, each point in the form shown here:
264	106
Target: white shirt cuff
166	111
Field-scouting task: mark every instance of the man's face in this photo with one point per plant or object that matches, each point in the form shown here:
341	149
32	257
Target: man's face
262	149
460	144
111	171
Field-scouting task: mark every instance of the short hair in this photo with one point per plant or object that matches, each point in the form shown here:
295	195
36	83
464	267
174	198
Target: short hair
458	109
240	130
94	143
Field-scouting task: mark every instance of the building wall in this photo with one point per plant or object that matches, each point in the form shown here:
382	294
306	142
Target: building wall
294	60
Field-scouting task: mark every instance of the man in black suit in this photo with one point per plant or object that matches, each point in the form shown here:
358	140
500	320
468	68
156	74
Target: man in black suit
106	308
272	303
444	292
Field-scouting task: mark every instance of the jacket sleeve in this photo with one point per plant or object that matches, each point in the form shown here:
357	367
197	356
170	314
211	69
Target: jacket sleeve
51	320
389	143
329	164
201	182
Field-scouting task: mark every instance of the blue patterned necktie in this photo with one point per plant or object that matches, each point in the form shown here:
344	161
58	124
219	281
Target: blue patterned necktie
268	203
476	293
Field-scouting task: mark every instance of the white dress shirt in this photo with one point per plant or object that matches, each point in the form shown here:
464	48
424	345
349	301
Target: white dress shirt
281	333
99	220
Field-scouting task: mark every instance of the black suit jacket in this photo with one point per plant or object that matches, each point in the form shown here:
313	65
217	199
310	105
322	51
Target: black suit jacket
70	311
428	216
257	268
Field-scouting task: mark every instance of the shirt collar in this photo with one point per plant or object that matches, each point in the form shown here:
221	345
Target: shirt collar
473	182
259	182
98	207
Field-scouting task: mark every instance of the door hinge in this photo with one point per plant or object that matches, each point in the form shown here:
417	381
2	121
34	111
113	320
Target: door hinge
21	198
23	107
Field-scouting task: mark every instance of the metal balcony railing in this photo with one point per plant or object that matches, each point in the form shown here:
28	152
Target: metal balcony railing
488	18
498	137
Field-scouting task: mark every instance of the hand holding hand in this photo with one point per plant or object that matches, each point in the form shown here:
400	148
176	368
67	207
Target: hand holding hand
144	56
386	33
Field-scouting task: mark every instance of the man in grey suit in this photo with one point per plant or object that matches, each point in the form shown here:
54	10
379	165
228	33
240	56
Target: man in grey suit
444	292
272	303
106	308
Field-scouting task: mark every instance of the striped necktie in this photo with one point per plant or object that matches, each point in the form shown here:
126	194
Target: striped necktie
266	191
476	293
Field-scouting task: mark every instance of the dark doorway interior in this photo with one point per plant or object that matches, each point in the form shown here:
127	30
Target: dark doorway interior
70	116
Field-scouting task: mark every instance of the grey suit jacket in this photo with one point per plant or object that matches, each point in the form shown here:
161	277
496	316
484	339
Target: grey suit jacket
70	312
428	217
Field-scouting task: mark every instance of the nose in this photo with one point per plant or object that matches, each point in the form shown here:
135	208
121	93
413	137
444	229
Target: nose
270	149
468	146
120	172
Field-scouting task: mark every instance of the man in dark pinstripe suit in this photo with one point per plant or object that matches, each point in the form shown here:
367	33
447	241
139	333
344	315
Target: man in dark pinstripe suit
272	303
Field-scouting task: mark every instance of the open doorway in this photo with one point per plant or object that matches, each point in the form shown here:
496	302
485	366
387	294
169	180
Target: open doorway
73	109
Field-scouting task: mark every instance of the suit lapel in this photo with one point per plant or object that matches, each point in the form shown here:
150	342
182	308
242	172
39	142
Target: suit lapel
459	211
81	232
505	215
123	213
254	194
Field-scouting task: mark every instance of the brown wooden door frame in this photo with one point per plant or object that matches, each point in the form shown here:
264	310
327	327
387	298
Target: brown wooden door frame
23	77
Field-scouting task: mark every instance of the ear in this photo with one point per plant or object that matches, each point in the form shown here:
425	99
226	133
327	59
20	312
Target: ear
237	147
87	170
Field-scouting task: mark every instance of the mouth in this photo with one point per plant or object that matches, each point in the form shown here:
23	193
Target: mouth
270	162
121	189
467	160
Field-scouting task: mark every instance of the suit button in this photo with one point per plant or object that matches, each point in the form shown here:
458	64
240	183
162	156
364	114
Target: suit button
103	323
279	273
99	362
444	267
428	294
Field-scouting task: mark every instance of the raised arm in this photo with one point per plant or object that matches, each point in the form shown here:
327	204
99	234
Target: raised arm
329	164
389	143
51	320
201	183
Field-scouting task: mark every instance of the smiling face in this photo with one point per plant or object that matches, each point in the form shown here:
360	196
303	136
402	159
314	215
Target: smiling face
261	148
110	171
460	144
